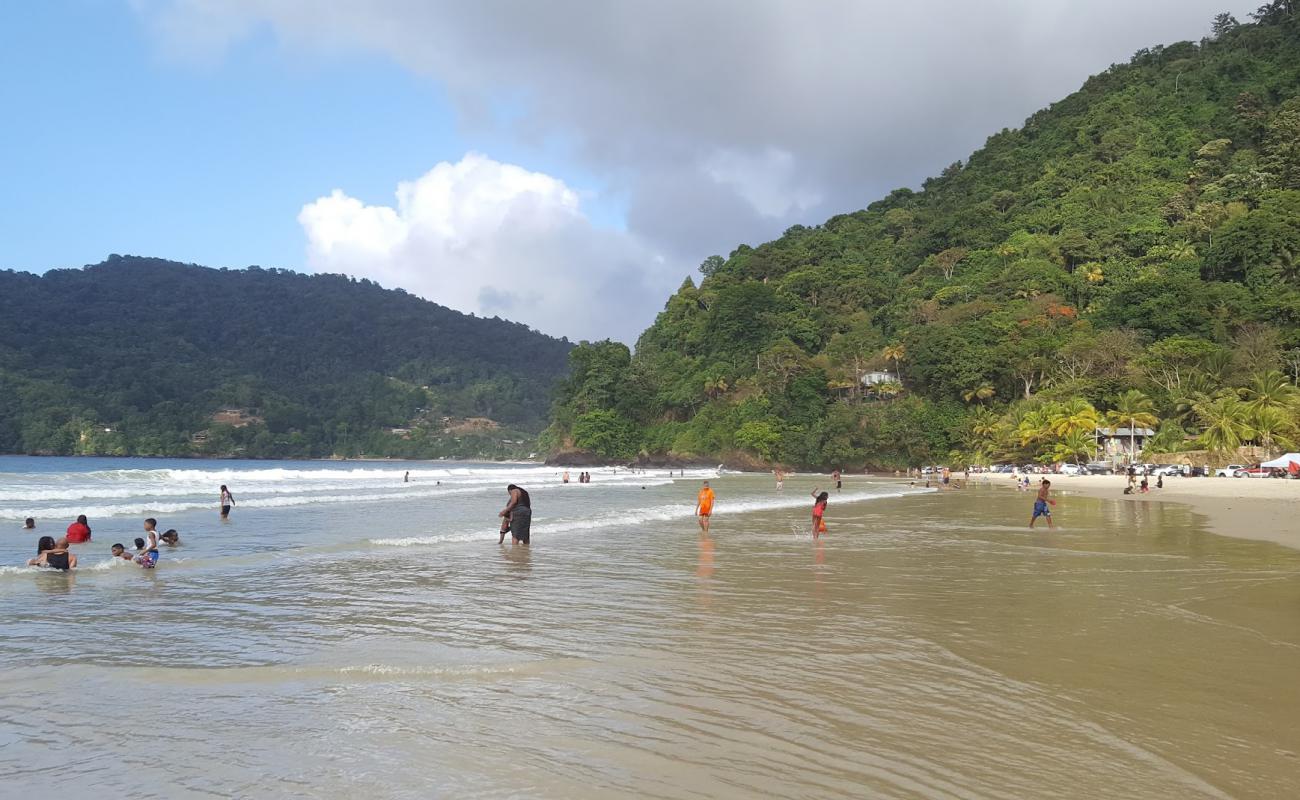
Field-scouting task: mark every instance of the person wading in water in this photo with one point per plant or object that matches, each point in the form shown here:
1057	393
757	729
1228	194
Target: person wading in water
517	516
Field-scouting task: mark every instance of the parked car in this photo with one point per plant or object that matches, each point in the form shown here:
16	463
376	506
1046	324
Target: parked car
1099	468
1070	469
1168	470
1229	471
1254	472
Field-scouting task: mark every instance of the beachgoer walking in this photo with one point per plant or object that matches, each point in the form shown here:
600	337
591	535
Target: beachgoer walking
79	531
819	511
1041	504
517	516
835	476
704	506
227	500
53	555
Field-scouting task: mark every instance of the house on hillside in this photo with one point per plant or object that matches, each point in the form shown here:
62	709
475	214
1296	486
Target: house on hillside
876	378
1124	443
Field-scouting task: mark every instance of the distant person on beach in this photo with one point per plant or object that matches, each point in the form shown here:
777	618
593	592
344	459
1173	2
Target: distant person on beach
29	524
406	478
835	476
819	512
565	478
517	516
79	531
50	554
780	479
1041	504
227	500
704	506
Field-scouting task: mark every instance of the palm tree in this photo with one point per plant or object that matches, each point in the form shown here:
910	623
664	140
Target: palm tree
1272	426
1227	423
1269	390
1073	445
1132	408
1073	416
978	394
895	353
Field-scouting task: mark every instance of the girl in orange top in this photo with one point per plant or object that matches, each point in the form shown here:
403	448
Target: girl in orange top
819	508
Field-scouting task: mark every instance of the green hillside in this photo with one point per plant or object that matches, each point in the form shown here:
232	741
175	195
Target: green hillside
1141	235
140	356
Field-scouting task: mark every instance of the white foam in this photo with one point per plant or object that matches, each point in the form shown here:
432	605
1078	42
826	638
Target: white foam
660	513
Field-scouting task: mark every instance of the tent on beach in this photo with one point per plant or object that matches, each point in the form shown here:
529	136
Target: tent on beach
1289	462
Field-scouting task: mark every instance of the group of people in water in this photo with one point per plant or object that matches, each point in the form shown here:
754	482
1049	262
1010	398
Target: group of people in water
54	553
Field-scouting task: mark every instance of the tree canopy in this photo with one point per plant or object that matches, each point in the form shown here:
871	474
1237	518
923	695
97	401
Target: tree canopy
1141	235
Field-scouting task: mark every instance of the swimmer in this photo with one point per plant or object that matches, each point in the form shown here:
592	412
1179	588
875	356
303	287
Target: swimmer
144	557
50	554
170	537
29	524
119	551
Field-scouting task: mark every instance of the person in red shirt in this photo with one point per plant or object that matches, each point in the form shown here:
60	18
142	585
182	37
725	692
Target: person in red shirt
78	531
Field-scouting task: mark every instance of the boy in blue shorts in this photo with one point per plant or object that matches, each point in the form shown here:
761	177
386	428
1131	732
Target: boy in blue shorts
1041	504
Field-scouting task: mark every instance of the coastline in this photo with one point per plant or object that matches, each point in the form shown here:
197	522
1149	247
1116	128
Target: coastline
1261	509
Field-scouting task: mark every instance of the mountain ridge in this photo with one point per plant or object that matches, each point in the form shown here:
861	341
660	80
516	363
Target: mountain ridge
324	365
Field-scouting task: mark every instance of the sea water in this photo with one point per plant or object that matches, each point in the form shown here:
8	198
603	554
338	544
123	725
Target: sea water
347	632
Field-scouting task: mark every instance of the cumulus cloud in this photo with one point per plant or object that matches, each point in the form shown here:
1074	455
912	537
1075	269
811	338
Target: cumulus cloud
723	122
495	239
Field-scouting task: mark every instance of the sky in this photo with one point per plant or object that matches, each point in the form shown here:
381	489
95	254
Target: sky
563	164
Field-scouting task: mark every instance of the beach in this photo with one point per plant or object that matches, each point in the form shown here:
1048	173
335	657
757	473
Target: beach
1263	509
345	629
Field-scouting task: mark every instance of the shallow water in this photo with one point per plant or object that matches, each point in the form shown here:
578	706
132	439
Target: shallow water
347	633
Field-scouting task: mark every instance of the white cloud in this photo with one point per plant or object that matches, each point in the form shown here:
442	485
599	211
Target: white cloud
495	239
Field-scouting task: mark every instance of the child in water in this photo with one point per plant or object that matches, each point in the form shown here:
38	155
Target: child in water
119	551
819	509
145	558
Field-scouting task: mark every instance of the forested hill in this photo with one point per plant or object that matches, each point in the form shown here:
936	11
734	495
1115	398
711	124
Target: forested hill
1131	252
150	357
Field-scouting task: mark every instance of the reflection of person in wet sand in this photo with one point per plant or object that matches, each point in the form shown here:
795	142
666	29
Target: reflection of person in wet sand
517	516
704	507
705	568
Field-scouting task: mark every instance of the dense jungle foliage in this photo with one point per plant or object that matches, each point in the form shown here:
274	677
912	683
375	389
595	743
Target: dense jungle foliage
137	356
1131	254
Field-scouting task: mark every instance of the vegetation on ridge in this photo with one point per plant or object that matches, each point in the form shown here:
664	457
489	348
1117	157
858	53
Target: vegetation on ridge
141	356
1134	248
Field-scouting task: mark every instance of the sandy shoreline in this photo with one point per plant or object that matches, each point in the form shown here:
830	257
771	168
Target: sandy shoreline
1263	509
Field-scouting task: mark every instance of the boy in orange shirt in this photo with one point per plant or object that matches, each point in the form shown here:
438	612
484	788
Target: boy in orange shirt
704	506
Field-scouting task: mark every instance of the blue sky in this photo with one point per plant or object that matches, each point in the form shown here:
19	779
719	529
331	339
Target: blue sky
114	146
622	143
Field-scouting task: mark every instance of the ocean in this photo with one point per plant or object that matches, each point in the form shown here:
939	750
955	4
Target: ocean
348	633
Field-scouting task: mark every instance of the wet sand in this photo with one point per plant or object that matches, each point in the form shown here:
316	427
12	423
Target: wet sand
929	646
1263	509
